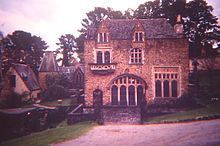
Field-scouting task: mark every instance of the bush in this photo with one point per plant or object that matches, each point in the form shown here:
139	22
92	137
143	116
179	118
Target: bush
11	99
55	92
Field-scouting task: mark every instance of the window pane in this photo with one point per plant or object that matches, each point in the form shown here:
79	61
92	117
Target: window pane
141	36
114	95
123	100
166	88
139	94
105	37
107	57
13	80
99	57
100	37
174	88
158	88
136	36
131	93
140	60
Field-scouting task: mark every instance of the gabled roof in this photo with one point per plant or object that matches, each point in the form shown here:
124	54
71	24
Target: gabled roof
49	63
122	29
27	75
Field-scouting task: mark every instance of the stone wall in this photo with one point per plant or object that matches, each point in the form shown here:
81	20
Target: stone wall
157	52
126	115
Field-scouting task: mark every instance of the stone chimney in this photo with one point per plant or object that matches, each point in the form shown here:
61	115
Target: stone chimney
178	27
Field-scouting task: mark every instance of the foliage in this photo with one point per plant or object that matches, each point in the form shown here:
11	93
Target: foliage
199	23
149	9
58	85
61	133
67	48
22	47
10	99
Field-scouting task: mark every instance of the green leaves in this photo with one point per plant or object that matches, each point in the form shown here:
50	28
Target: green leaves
22	47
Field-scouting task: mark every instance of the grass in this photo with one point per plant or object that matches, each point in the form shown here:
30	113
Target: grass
202	112
61	133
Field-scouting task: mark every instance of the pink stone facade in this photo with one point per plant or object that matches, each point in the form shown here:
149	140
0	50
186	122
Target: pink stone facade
160	58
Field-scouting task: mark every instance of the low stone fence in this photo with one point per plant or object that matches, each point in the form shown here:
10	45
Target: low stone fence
86	114
122	115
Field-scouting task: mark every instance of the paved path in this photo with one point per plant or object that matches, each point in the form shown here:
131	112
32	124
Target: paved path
202	133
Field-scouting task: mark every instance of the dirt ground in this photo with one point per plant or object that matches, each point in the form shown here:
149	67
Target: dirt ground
200	133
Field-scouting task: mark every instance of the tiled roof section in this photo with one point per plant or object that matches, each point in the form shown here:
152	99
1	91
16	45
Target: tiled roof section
49	63
28	76
71	69
123	28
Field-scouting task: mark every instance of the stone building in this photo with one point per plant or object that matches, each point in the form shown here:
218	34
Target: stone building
49	66
21	79
131	60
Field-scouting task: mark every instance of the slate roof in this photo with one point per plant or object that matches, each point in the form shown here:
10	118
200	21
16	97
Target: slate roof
71	69
121	29
49	63
28	76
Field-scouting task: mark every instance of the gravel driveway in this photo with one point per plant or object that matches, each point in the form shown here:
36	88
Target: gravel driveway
202	133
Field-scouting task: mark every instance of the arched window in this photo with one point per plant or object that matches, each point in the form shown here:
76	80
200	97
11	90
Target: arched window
114	95
107	57
166	88
123	100
174	88
131	95
99	57
140	94
136	55
158	88
130	90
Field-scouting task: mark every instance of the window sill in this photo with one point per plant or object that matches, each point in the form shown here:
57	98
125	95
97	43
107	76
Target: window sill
136	63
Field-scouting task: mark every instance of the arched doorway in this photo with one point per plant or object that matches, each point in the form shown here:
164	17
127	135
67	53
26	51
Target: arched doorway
127	90
97	98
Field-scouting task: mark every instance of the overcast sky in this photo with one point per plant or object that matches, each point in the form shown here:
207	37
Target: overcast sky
50	19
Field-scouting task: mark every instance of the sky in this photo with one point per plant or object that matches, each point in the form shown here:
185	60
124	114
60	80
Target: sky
50	19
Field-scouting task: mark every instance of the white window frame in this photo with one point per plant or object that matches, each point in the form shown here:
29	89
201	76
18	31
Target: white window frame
103	50
103	35
178	79
139	36
134	58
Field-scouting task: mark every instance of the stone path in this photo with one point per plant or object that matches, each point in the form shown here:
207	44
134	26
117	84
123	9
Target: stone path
200	133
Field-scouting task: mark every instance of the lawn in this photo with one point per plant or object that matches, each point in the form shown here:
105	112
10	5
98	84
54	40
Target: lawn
61	133
202	112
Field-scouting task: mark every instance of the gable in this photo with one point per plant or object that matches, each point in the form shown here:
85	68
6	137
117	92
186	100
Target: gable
27	76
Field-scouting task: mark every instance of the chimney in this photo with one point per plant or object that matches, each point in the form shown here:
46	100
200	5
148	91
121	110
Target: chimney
178	27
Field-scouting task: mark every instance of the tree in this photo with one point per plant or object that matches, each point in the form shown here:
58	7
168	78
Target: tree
67	48
199	26
22	47
93	19
149	9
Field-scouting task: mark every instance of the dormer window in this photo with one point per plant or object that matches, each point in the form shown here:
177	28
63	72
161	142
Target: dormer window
139	36
103	37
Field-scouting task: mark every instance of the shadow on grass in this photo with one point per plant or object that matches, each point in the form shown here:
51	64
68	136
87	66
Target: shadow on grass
61	133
